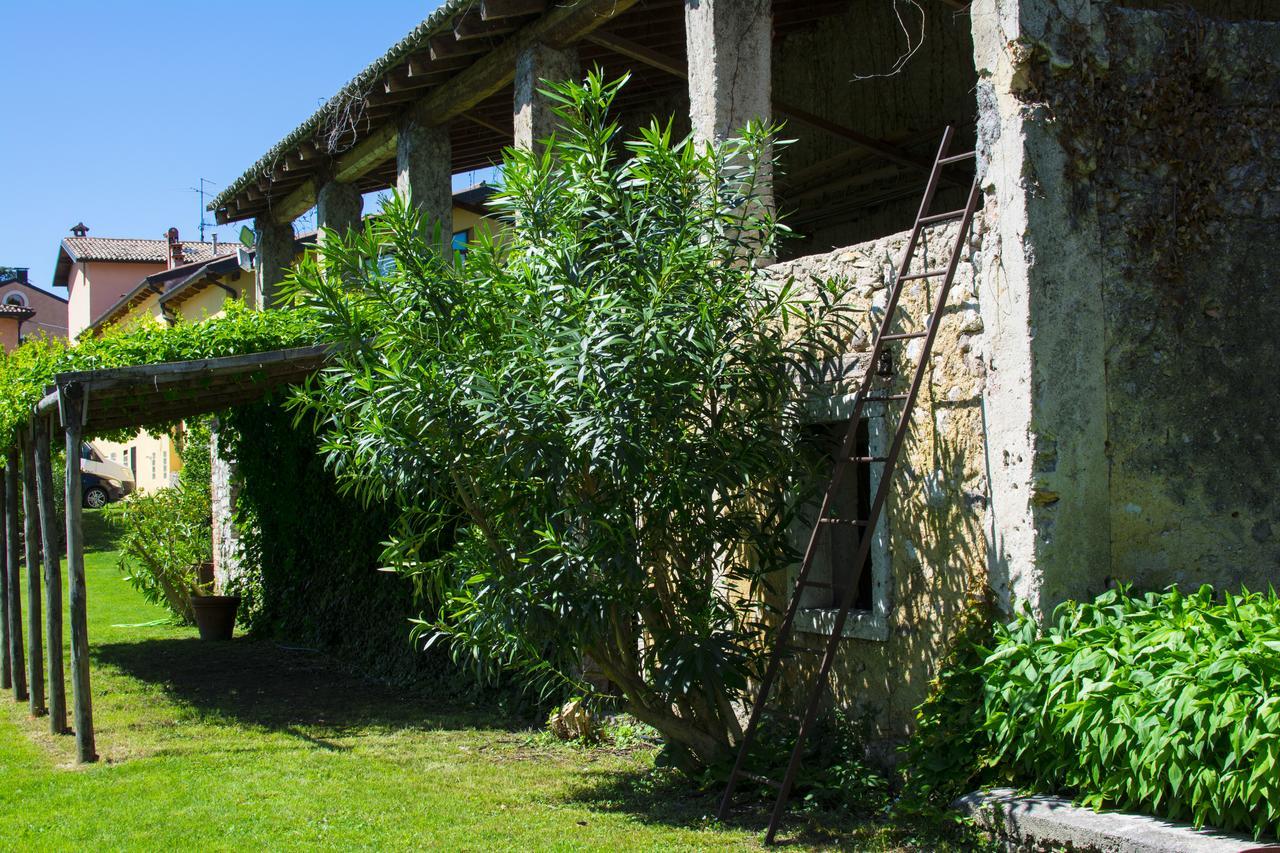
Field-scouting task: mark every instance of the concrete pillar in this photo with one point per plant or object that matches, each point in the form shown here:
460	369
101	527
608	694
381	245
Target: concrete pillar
1040	290
273	248
730	48
424	171
534	119
226	538
338	206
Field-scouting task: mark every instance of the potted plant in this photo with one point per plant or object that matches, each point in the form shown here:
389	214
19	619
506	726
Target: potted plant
165	549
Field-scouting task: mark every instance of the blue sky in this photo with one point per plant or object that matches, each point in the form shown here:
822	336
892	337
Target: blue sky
113	111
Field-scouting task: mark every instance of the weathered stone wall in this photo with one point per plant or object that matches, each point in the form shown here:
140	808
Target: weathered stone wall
1232	10
843	70
1130	167
1187	190
937	511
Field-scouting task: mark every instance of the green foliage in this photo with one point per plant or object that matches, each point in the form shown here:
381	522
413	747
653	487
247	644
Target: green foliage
25	372
164	538
1165	703
311	554
588	426
945	757
834	774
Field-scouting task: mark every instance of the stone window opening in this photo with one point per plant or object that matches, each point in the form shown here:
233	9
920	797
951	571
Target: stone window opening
15	297
823	434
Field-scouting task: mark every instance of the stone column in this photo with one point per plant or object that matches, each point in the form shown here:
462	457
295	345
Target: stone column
730	48
226	538
534	119
424	171
1040	290
273	248
338	206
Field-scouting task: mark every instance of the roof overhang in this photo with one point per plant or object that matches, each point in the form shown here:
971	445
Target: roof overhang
458	58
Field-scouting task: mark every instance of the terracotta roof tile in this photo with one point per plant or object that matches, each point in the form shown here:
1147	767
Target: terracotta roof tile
142	251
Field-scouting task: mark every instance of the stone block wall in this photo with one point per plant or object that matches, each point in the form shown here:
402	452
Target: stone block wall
939	542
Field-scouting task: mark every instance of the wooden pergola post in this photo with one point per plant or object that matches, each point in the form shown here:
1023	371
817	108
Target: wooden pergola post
6	641
72	403
52	576
31	539
14	571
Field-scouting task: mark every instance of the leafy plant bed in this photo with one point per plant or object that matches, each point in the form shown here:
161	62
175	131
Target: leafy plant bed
1164	704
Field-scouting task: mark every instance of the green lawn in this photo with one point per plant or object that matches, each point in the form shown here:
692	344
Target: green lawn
246	744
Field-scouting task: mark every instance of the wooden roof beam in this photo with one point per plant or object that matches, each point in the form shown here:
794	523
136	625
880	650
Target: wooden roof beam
653	59
496	10
471	26
562	25
448	46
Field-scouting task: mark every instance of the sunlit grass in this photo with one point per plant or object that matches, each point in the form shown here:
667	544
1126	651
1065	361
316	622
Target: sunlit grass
232	746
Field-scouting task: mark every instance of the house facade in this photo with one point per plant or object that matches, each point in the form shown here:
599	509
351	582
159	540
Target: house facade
28	310
1095	408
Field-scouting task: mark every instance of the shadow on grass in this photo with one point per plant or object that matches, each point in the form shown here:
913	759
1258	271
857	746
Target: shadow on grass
665	797
300	693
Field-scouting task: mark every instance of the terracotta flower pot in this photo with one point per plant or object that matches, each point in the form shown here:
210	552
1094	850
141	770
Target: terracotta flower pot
215	615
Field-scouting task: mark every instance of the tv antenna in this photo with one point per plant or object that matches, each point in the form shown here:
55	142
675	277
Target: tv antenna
203	222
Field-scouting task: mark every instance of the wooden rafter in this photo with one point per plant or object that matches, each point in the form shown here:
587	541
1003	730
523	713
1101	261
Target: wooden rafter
653	59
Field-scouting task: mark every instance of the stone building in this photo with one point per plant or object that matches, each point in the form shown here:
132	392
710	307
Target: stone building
1099	401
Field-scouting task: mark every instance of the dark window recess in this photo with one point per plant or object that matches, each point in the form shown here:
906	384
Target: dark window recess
838	543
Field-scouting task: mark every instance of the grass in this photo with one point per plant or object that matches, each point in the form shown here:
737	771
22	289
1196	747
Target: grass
246	744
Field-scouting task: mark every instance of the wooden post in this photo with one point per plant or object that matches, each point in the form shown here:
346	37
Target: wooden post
31	538
6	657
72	399
18	664
52	578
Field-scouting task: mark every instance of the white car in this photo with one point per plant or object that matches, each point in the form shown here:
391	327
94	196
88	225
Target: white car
103	481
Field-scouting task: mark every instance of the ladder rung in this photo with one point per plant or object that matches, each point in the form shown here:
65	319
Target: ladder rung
956	158
762	780
925	274
886	398
942	217
903	336
818	584
852	522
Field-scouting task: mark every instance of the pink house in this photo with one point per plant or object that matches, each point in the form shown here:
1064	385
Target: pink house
26	309
98	271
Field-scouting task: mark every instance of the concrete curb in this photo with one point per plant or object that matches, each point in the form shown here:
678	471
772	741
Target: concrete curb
1052	823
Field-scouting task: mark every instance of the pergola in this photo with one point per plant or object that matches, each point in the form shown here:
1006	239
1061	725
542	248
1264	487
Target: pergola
81	403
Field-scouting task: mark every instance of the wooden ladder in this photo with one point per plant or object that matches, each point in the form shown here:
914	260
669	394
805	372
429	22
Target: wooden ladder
845	465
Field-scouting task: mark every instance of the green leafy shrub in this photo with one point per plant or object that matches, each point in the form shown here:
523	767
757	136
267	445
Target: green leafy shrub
26	372
835	773
1164	703
587	427
946	755
164	538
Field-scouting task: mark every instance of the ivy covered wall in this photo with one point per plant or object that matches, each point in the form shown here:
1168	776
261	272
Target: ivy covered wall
309	574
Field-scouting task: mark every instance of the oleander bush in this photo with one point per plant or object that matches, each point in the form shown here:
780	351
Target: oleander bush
587	427
1161	703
